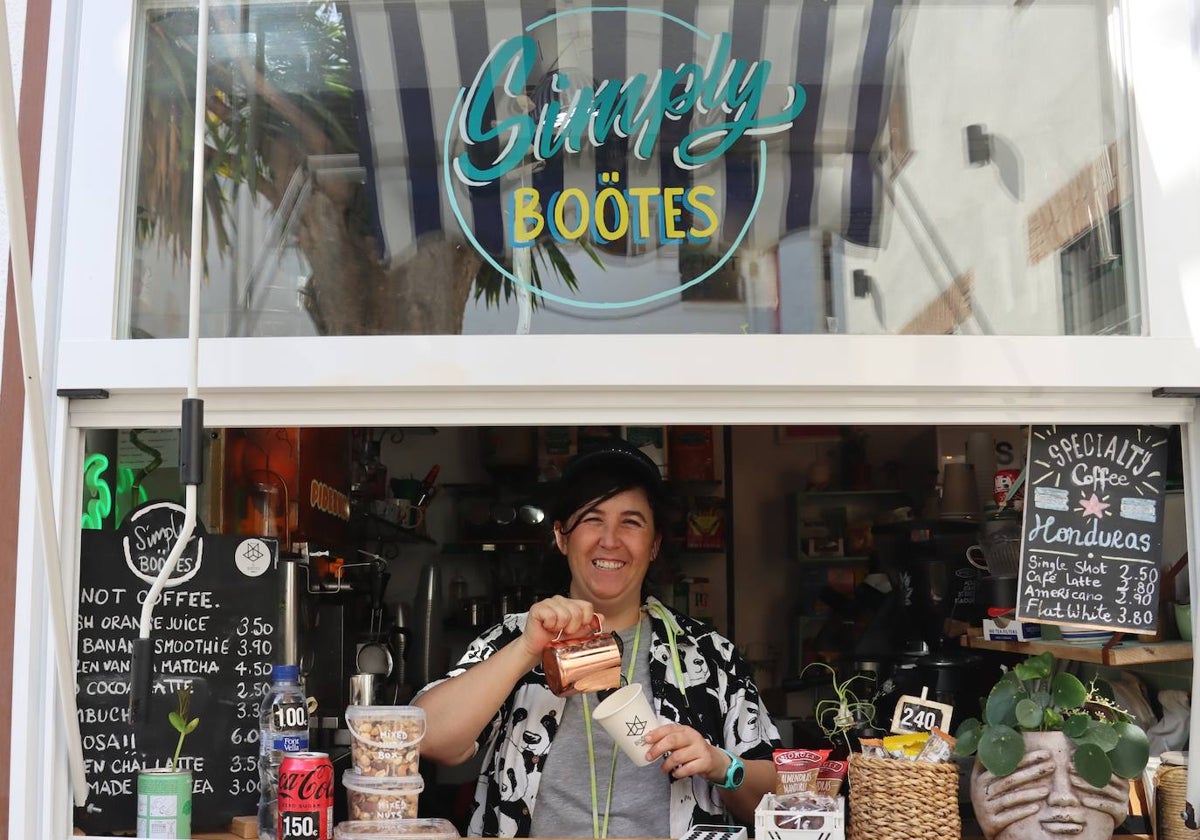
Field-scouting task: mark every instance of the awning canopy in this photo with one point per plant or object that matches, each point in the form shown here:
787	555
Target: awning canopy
415	56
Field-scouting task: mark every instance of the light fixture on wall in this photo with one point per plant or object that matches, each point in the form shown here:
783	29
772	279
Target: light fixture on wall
865	286
862	283
979	145
1176	393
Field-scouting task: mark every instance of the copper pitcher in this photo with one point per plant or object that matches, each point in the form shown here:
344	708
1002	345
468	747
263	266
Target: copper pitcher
590	663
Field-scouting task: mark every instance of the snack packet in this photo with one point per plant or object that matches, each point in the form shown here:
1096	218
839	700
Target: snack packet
872	748
797	770
830	777
905	746
939	747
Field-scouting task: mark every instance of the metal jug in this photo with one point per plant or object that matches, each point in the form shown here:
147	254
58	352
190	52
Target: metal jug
576	666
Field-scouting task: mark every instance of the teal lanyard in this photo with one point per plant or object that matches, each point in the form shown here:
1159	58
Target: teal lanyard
599	831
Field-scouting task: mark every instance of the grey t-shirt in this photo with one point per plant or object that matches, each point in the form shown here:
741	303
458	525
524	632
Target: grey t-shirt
641	795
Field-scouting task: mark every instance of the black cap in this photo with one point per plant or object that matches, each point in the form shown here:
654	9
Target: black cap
611	466
615	455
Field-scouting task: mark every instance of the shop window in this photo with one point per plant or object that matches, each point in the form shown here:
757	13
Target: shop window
1095	289
343	171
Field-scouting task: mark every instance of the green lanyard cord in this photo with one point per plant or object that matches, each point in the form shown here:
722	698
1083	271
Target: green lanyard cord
669	622
612	770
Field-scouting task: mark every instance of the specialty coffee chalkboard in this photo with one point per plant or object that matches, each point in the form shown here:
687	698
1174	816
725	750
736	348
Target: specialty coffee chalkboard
1092	539
214	631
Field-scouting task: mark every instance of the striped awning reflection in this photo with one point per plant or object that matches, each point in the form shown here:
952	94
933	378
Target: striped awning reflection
413	56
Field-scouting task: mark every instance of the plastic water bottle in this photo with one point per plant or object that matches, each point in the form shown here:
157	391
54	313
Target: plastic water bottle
282	728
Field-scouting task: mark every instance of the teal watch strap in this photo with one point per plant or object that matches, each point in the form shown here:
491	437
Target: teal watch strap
735	775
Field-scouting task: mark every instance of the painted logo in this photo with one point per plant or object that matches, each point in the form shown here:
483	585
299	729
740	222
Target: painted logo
723	97
151	532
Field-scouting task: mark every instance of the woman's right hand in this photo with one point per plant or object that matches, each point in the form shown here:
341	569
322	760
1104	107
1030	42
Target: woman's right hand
570	617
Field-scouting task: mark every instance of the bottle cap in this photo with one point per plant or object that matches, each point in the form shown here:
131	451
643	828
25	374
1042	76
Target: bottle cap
289	673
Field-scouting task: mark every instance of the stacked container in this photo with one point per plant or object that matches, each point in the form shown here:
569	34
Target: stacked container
385	780
398	830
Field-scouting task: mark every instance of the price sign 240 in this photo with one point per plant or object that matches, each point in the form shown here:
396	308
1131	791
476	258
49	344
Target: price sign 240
918	714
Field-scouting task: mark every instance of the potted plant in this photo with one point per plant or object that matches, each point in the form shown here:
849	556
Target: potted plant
845	711
180	723
1053	756
168	787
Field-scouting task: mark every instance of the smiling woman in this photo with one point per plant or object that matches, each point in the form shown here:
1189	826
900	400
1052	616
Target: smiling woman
713	736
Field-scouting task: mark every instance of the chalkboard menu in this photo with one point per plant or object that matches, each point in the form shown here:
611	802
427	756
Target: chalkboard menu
1092	536
215	631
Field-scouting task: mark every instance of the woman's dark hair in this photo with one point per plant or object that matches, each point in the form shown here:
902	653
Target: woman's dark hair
597	483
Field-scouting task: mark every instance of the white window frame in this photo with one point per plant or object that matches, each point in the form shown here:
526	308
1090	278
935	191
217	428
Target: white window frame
472	380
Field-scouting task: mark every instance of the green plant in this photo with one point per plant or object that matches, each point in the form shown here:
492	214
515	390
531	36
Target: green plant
838	716
1033	698
180	723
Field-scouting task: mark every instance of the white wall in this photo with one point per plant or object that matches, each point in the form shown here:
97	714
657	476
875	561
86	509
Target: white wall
15	10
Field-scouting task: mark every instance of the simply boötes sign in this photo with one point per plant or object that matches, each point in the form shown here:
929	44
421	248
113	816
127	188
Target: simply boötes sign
635	108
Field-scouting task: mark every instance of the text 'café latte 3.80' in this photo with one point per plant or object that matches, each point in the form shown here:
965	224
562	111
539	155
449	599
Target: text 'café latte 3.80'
1093	526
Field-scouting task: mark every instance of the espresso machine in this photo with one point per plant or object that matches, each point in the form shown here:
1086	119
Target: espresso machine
933	584
351	648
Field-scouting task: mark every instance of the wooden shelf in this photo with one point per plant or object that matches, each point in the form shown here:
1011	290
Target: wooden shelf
1131	652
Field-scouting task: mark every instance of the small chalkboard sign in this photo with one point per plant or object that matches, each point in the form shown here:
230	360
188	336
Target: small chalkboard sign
214	631
1091	540
920	714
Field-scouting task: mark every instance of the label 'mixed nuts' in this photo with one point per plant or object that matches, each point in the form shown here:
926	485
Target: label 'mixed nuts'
386	746
381	806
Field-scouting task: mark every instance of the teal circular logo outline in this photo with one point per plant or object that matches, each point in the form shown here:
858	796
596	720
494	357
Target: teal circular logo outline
576	302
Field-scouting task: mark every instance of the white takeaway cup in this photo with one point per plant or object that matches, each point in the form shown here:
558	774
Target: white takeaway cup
627	716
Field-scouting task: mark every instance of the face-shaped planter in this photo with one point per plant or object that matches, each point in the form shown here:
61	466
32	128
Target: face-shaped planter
1045	798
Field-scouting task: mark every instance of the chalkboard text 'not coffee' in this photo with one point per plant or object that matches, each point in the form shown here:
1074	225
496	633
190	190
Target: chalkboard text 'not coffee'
1092	541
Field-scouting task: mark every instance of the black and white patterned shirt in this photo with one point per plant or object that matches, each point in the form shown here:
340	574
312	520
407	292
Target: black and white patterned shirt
718	698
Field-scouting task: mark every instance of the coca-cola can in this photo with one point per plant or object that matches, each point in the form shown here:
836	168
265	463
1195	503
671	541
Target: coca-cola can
305	797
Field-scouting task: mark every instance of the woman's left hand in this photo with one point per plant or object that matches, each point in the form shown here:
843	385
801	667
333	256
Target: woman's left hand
686	753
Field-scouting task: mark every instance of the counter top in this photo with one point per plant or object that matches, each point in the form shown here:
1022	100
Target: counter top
224	835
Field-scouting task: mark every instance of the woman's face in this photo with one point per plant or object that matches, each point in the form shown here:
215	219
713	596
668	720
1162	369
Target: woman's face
609	548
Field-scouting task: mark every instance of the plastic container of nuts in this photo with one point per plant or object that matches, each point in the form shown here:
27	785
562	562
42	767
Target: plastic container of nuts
385	740
376	798
397	830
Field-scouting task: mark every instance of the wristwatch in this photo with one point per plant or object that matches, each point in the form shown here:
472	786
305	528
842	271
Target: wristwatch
735	775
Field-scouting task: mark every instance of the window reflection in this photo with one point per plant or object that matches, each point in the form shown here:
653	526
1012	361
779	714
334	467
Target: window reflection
955	168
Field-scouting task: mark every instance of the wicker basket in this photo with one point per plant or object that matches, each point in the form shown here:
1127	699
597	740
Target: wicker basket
891	799
1170	794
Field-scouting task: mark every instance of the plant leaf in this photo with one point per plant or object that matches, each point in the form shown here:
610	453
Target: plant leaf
1052	720
176	721
966	726
968	737
1001	749
1068	691
1035	667
1093	765
1029	714
1076	726
1000	709
1101	734
1132	751
191	727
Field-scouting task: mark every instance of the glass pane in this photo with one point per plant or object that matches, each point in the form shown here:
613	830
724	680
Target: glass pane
774	166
